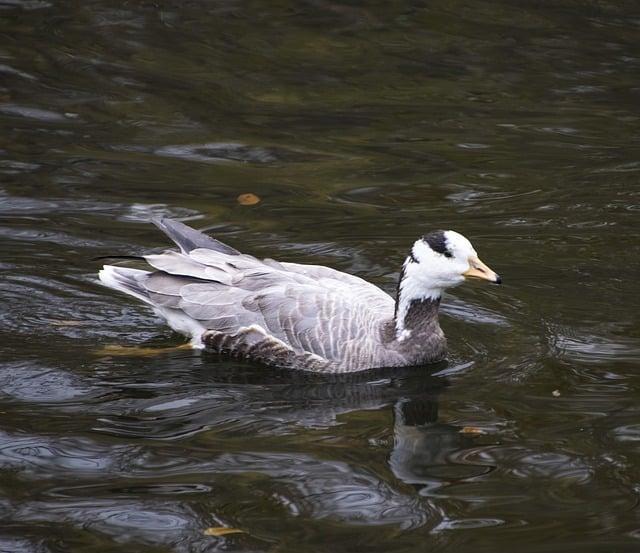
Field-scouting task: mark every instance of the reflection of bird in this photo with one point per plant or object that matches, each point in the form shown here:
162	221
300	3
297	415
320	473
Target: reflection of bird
301	316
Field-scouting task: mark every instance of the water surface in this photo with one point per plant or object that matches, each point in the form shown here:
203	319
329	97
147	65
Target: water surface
360	126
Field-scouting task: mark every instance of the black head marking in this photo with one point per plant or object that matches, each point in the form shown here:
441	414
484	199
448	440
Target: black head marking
437	242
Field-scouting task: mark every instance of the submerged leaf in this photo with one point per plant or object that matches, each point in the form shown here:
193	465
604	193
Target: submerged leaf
222	531
67	322
138	351
471	430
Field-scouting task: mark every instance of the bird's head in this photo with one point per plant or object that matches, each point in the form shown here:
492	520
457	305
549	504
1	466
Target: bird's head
445	258
438	260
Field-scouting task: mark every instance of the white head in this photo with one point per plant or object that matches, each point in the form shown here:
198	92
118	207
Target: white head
441	259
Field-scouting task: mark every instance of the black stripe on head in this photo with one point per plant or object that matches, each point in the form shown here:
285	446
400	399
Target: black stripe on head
437	242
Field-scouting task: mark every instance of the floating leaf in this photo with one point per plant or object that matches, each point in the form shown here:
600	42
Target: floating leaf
471	430
137	351
248	199
222	531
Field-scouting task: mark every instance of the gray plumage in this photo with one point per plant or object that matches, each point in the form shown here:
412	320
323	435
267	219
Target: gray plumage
282	314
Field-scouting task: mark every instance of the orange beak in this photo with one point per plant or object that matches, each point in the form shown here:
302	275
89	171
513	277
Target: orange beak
479	270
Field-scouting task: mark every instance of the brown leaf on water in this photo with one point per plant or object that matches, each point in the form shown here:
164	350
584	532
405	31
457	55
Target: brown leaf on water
137	351
471	430
218	531
248	199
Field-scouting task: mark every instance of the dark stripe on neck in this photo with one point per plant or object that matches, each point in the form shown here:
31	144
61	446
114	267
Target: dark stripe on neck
398	292
410	259
422	313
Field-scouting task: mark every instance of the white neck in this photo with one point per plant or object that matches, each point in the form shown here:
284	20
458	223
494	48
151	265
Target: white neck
412	287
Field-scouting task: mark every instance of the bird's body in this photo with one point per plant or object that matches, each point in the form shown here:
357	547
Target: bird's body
284	314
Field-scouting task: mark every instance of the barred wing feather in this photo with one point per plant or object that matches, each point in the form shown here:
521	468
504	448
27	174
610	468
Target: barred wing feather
310	308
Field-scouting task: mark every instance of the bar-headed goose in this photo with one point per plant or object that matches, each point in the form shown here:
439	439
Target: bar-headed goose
301	316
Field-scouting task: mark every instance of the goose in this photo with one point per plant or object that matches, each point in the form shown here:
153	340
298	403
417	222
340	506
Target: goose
297	316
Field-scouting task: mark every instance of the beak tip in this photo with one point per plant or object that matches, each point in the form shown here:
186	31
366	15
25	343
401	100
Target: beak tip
498	279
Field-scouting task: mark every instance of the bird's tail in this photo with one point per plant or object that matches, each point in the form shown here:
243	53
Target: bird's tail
125	280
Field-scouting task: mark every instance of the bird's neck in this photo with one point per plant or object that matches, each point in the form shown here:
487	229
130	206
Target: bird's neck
416	311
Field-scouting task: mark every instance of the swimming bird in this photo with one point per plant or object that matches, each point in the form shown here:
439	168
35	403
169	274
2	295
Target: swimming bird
300	316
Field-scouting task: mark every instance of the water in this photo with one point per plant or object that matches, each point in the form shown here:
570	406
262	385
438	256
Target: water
360	127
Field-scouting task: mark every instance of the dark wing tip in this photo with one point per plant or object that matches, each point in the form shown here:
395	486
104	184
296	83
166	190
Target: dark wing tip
189	239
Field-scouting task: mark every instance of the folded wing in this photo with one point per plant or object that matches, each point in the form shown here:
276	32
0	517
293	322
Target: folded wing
308	308
258	306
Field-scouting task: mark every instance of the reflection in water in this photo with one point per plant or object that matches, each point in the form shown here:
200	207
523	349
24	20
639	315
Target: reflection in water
420	444
300	405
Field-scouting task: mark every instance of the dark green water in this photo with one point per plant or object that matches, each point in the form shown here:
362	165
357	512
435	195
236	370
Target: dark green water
360	126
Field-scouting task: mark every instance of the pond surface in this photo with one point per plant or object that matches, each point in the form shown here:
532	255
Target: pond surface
360	126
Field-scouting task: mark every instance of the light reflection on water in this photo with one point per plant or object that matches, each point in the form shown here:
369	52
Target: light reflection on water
360	128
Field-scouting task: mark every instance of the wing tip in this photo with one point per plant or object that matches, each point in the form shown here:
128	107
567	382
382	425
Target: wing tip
188	239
